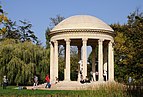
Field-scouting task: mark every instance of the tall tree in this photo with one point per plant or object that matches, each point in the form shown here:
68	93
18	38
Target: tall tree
20	61
128	48
135	44
21	32
3	20
53	23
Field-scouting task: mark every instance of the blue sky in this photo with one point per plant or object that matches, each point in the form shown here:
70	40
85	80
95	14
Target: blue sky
38	12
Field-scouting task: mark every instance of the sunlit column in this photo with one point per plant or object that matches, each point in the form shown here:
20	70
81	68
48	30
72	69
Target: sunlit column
55	59
51	63
111	61
67	70
100	60
84	57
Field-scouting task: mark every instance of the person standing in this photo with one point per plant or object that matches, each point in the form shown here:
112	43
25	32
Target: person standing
47	81
82	80
105	75
5	82
130	80
91	76
35	82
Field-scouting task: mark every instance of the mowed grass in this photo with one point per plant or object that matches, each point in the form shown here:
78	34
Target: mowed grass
11	92
103	91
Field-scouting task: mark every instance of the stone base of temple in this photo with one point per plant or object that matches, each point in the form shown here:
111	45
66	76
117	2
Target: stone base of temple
73	85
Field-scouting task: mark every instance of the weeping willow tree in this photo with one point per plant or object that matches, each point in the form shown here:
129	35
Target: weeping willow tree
21	61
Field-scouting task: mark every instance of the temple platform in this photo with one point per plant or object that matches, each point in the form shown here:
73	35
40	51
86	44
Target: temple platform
71	85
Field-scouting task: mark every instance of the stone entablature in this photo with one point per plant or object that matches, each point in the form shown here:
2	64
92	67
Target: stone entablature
89	35
81	30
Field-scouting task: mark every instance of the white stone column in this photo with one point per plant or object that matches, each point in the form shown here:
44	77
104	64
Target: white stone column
67	70
51	63
110	61
79	58
100	60
93	62
84	57
105	60
55	59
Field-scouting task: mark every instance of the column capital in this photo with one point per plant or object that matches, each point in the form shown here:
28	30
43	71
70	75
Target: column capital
55	42
50	42
84	39
110	43
100	40
67	40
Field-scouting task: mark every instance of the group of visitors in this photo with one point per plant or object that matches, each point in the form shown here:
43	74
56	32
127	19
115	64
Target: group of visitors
86	80
35	79
47	79
92	77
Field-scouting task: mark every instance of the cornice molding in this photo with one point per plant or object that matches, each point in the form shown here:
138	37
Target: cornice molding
52	33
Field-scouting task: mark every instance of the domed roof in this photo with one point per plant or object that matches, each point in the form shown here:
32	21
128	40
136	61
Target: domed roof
82	22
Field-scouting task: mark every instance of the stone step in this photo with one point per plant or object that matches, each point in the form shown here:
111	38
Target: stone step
68	85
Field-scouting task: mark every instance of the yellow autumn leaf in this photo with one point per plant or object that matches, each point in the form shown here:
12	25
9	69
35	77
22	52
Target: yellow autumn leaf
1	32
1	16
5	19
4	29
0	20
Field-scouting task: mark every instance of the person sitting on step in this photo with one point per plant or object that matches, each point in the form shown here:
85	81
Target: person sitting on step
87	80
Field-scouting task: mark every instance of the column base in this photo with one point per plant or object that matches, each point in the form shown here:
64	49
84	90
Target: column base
67	80
101	80
111	80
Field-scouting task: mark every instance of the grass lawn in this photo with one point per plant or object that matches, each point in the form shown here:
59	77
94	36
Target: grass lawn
111	91
11	92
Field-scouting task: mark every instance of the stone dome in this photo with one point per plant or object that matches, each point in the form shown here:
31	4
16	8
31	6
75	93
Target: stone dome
82	22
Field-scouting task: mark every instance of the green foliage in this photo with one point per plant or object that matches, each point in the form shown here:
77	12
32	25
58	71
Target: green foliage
47	38
53	23
20	61
74	65
3	20
21	32
10	29
129	48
